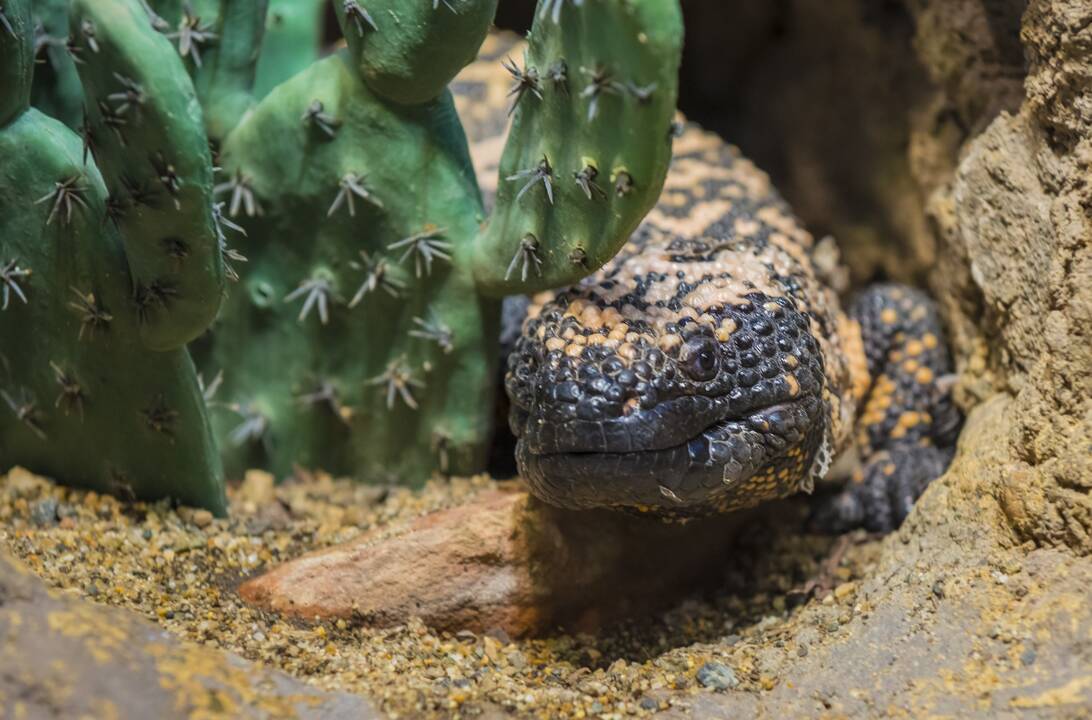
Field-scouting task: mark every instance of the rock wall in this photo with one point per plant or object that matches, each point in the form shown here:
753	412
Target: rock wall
1014	225
64	657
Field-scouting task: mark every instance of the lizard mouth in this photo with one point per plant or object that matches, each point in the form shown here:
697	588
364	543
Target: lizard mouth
667	424
731	462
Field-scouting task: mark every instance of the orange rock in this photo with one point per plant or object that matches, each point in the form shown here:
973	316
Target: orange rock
502	561
459	568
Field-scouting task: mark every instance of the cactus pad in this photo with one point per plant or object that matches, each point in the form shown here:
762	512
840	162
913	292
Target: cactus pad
87	394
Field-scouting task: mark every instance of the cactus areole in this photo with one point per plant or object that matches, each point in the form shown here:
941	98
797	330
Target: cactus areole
362	336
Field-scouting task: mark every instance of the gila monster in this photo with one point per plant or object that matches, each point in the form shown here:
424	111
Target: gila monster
710	366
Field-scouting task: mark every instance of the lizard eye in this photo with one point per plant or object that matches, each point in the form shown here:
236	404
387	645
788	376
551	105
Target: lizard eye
699	358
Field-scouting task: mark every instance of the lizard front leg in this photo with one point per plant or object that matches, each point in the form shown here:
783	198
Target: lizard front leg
907	429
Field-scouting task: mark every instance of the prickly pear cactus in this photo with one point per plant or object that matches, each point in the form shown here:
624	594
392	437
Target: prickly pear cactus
57	90
357	310
293	39
590	141
110	262
219	41
363	338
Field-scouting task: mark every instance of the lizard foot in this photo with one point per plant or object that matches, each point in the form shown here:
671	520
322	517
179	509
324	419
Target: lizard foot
881	496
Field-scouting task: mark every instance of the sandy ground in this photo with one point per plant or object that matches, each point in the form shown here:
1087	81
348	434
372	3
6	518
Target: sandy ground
180	569
808	625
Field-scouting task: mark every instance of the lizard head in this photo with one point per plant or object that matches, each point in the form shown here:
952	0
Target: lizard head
680	391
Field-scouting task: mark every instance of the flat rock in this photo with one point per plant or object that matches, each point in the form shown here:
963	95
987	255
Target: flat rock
62	657
463	567
500	562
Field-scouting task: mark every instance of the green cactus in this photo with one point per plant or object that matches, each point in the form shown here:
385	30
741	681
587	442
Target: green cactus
16	59
293	38
589	146
364	336
219	41
110	261
57	91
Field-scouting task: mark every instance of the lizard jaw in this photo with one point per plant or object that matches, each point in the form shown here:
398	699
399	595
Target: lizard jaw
730	464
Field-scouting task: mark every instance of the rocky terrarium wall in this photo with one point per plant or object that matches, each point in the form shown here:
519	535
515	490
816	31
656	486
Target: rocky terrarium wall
947	143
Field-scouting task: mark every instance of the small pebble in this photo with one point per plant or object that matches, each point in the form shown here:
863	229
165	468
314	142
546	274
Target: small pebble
43	513
202	518
257	488
717	676
516	660
499	635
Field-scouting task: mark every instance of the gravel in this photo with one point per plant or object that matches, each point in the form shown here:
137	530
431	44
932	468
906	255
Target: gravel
180	567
